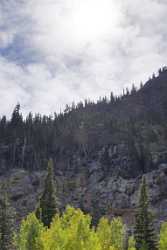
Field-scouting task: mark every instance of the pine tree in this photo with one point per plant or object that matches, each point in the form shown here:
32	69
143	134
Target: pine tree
7	216
144	230
48	204
16	119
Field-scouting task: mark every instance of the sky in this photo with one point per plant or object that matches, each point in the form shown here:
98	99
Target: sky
54	52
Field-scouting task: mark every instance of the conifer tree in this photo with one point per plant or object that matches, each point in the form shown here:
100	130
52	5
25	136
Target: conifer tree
144	230
48	204
16	119
7	219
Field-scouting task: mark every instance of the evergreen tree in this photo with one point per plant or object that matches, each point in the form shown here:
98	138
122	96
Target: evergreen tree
7	215
144	231
16	119
48	204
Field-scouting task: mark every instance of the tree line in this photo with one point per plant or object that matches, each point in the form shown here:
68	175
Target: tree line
84	128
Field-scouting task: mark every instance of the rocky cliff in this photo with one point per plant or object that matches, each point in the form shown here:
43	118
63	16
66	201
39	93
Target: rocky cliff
87	186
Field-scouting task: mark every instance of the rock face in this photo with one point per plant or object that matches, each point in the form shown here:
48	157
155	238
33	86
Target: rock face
90	189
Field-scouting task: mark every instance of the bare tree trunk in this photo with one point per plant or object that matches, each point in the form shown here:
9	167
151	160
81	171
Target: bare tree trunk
23	152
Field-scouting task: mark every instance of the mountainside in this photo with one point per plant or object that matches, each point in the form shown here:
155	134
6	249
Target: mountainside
100	151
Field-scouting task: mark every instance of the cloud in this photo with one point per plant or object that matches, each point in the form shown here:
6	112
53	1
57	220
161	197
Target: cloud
54	52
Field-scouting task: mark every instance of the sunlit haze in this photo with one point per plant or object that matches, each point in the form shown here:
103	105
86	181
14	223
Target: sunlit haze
94	19
54	52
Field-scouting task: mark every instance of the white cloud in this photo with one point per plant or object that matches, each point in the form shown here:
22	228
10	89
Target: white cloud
54	52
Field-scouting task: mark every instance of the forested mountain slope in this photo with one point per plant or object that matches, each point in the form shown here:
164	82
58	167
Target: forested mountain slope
100	151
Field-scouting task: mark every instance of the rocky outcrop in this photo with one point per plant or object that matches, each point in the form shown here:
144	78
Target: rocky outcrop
91	191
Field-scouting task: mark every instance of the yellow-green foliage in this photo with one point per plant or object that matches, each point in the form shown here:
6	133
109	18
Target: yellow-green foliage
29	234
163	237
131	243
71	231
111	234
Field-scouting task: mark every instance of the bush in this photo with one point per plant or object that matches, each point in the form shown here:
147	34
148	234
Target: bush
71	231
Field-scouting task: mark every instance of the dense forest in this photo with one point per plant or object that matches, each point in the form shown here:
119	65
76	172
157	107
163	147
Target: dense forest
137	118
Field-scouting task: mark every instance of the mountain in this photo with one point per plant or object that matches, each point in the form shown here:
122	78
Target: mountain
100	152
